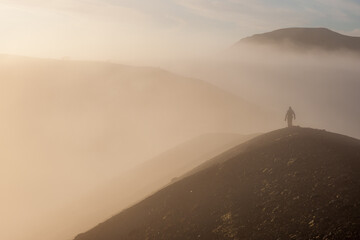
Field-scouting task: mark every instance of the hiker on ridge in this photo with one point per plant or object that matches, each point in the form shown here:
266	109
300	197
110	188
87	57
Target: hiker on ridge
290	115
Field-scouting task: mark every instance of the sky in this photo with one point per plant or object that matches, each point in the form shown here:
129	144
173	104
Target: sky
138	31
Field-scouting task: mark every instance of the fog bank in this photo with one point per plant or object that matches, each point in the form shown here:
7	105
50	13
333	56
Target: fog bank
69	127
322	86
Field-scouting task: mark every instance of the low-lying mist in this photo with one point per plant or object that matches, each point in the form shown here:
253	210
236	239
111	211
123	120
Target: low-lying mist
70	127
322	86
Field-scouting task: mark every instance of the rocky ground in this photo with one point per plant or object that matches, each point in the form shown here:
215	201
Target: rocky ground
288	184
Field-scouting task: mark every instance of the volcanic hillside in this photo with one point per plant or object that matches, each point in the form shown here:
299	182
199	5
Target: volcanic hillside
306	38
142	181
288	184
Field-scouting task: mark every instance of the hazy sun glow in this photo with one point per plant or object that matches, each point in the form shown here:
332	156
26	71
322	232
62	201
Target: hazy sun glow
145	32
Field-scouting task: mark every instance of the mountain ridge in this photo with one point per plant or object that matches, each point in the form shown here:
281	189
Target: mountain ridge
147	178
291	183
305	39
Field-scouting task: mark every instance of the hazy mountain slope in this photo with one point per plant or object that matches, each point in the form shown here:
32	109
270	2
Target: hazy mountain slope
104	100
68	127
290	184
305	39
143	180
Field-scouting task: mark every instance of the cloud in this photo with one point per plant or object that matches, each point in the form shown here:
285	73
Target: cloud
244	14
341	6
239	15
92	9
138	27
260	15
55	4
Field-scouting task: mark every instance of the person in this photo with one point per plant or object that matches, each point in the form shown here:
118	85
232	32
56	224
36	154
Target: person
290	115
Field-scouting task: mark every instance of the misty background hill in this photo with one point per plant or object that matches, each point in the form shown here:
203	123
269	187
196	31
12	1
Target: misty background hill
305	39
69	127
293	183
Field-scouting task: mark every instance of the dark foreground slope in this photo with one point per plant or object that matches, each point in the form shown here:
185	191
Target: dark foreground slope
145	179
288	184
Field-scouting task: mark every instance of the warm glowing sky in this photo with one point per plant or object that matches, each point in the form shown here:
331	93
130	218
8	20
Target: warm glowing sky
132	30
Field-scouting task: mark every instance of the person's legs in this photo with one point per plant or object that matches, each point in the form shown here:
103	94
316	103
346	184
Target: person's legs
289	122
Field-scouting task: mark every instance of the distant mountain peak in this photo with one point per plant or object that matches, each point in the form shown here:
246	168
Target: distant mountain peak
305	39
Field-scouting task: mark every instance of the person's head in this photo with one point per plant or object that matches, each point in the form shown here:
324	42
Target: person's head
289	108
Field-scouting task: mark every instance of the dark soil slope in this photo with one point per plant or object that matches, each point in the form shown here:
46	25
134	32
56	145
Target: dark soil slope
306	38
288	184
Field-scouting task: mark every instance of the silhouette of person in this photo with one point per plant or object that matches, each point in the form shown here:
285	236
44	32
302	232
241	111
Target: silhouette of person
290	115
